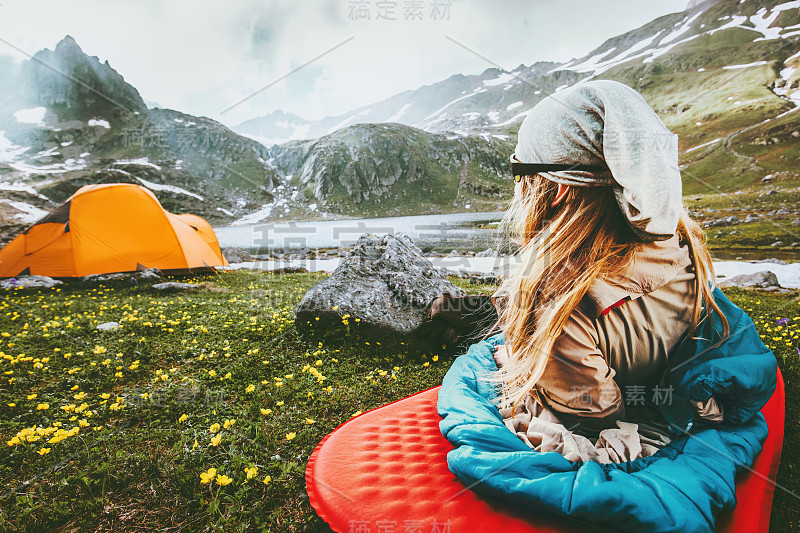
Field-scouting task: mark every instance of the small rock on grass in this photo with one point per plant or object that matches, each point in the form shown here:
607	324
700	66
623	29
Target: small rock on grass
29	282
175	286
109	326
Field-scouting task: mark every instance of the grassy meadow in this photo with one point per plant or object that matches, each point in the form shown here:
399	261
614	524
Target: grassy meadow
201	411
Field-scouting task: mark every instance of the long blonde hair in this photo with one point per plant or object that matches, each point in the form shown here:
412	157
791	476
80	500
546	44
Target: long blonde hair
563	250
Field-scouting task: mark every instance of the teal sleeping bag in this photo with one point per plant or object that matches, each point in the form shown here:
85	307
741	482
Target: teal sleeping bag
681	488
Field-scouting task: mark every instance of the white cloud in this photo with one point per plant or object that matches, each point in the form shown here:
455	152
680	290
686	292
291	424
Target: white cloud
202	56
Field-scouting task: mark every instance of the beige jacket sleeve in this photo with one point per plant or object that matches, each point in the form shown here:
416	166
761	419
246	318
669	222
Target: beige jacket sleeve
577	384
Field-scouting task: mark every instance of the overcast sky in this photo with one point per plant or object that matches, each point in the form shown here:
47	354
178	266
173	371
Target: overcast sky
203	56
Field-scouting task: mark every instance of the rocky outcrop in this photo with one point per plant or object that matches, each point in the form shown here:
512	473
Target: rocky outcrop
384	282
759	280
236	255
29	282
392	164
49	80
725	221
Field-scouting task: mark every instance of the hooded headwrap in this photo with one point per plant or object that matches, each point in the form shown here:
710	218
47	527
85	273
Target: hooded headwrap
604	122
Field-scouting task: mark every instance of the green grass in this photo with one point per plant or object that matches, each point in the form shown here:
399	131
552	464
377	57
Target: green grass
133	464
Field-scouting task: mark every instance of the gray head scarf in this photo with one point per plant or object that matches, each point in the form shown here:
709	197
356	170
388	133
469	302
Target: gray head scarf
603	121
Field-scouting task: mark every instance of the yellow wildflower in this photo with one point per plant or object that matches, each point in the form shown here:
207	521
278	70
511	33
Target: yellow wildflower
290	436
223	480
207	477
184	417
216	439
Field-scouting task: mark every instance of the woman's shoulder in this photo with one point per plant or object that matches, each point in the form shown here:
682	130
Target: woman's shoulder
654	266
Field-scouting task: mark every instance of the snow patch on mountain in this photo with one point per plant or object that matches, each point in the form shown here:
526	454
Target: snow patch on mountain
168	188
33	115
140	161
396	116
441	109
28	213
709	143
512	120
782	85
686	25
8	150
99	122
254	218
734	67
663	50
501	79
18	186
54	168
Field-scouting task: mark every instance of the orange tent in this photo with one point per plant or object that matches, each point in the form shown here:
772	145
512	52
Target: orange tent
117	227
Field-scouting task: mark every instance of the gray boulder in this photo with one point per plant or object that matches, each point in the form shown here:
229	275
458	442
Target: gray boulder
489	252
236	255
108	326
29	282
759	280
385	282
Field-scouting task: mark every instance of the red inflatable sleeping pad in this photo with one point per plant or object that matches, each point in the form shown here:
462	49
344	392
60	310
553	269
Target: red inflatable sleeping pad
386	471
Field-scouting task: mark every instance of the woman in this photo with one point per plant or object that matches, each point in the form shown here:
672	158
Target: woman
613	275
